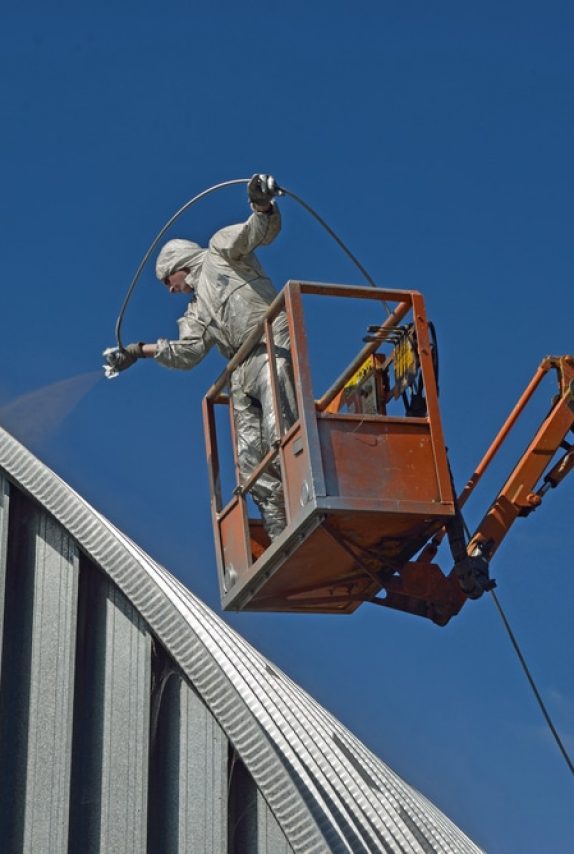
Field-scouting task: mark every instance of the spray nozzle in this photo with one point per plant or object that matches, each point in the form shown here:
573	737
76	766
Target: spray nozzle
112	356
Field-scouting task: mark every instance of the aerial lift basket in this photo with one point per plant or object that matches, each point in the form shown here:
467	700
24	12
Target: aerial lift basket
364	469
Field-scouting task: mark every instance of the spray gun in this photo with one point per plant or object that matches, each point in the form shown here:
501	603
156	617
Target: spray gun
120	358
112	355
115	356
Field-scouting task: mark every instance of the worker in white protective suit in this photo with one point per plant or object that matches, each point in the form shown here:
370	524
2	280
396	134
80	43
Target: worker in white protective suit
230	294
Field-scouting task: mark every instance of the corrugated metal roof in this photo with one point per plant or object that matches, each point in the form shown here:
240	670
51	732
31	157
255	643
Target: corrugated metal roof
326	789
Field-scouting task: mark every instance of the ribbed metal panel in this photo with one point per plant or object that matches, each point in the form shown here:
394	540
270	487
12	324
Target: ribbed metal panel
4	510
202	777
51	688
188	775
326	791
15	674
125	727
41	575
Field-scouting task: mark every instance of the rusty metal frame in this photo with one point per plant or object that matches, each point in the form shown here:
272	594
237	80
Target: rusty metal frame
431	393
306	406
310	412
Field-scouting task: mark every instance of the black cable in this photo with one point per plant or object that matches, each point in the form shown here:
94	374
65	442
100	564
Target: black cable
337	240
522	660
156	240
187	205
532	683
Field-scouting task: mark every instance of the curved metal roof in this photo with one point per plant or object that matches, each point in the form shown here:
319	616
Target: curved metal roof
326	789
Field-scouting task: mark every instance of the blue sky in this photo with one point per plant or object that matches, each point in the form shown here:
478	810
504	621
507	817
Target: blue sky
437	140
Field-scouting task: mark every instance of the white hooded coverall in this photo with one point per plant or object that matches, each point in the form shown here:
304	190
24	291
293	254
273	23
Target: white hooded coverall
232	293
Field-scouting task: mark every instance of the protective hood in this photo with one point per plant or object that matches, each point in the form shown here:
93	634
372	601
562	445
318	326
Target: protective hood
177	254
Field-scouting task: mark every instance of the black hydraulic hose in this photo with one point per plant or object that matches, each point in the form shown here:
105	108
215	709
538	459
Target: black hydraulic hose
187	205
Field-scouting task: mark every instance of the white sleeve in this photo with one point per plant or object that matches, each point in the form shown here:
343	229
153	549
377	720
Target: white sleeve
194	342
236	241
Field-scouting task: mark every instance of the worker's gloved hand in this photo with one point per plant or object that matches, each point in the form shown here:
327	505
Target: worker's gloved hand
121	359
261	190
129	356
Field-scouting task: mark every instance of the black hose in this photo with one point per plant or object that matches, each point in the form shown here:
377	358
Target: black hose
156	240
532	683
337	240
198	198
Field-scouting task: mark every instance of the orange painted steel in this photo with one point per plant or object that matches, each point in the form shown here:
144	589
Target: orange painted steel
517	496
363	493
389	323
503	433
366	490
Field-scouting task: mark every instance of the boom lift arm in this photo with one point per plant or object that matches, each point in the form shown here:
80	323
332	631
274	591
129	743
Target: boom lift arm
525	488
520	496
367	488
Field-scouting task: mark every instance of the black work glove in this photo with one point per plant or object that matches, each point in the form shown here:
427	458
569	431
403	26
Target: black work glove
261	190
121	359
127	357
